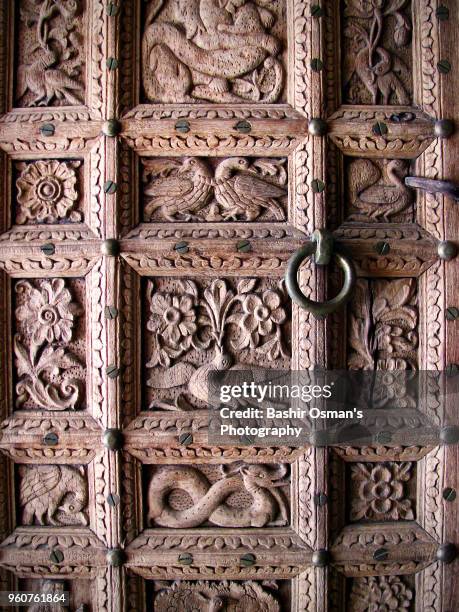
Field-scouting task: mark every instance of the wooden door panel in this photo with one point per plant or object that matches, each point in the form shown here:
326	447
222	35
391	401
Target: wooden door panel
157	174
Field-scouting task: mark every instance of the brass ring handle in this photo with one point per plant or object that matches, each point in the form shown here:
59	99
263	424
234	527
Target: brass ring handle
319	309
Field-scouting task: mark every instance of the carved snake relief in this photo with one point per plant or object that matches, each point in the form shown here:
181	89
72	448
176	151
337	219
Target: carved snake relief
268	506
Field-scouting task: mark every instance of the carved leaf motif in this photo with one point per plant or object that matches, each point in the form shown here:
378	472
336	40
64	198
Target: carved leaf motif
376	592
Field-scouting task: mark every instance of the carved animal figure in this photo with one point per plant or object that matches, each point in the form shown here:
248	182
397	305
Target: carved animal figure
53	495
245	596
219	44
379	201
46	82
243	193
178	189
209	499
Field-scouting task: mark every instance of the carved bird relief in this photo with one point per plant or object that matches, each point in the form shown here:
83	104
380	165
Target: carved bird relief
179	189
378	201
242	193
53	495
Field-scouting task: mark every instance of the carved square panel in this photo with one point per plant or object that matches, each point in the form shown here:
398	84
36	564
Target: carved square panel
217	495
202	189
81	592
49	343
50	65
230	52
383	319
375	191
191	327
52	495
48	191
376	592
377	57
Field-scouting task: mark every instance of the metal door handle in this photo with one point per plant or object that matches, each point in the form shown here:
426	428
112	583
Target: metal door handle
433	186
323	247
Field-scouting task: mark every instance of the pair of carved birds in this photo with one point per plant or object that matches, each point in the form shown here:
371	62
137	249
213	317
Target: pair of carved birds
181	189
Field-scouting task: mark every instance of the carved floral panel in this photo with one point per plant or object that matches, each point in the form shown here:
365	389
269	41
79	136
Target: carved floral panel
52	495
193	327
381	593
235	495
383	325
382	491
49	344
211	189
50	63
48	191
230	51
232	596
377	52
376	192
81	593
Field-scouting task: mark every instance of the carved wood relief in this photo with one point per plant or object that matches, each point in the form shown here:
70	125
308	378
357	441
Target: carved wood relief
193	329
227	52
212	182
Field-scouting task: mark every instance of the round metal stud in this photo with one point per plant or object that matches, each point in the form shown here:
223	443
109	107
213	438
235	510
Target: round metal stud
449	494
442	13
113	499
111	128
244	246
449	435
444	128
112	371
446	250
48	249
186	438
447	553
380	129
181	247
111	312
317	64
244	127
444	66
112	63
112	9
182	126
321	558
317	186
110	187
320	499
50	439
113	439
115	557
185	559
247	560
382	248
381	554
47	129
56	556
452	313
317	127
110	247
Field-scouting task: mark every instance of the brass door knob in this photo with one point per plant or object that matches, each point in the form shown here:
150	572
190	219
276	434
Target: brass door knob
323	247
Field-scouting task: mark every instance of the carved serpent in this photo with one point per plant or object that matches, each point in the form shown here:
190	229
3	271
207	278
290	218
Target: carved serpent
209	499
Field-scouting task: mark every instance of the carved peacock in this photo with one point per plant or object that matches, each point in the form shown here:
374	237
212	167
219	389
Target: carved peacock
378	201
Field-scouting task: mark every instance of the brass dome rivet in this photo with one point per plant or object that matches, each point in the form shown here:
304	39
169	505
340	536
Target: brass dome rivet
50	439
321	557
444	128
111	128
317	127
110	247
113	439
446	553
446	250
115	557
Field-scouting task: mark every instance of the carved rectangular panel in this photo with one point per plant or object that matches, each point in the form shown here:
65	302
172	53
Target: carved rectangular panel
193	326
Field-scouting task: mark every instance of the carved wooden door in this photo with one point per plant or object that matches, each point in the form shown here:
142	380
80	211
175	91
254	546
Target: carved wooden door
161	161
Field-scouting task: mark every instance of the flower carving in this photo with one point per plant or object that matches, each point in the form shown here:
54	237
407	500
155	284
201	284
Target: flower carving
48	312
380	594
260	315
46	315
47	192
380	491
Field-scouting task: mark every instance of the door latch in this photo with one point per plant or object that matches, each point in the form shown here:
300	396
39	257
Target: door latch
447	188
